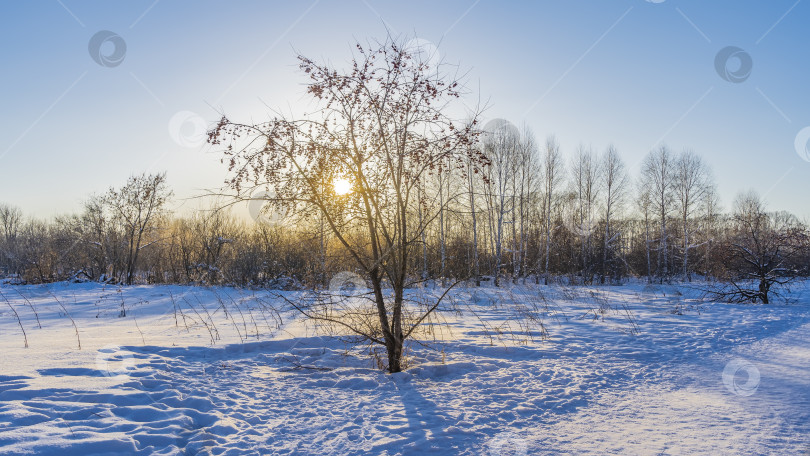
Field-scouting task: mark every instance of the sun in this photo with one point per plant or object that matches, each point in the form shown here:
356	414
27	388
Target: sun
342	186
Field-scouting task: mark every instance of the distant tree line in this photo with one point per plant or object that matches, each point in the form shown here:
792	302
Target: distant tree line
533	216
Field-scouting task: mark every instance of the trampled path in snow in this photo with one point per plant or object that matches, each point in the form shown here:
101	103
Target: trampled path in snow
683	378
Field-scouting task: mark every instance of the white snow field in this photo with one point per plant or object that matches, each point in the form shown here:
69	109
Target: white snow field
683	377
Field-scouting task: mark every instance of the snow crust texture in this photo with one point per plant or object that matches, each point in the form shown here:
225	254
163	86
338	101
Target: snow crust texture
634	369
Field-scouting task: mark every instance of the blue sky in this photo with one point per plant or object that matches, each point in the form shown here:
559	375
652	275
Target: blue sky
632	73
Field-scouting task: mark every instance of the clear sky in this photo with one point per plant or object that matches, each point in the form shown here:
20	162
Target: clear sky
633	73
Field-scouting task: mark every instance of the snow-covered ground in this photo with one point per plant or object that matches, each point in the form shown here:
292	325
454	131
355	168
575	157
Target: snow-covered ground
171	369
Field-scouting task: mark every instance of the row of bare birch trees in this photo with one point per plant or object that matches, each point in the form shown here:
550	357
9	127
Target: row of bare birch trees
537	216
538	213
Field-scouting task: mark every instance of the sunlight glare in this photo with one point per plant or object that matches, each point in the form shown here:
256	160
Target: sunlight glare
342	186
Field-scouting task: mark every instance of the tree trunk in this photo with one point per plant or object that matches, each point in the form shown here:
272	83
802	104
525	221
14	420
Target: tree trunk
764	287
647	249
476	266
392	331
442	247
394	348
686	274
424	241
662	254
605	251
548	248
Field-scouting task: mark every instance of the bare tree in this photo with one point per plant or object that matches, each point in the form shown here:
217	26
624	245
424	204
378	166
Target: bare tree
764	252
10	221
644	204
472	187
383	126
614	185
212	233
692	185
500	144
136	206
713	228
525	191
421	201
10	226
657	177
552	178
585	189
98	235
